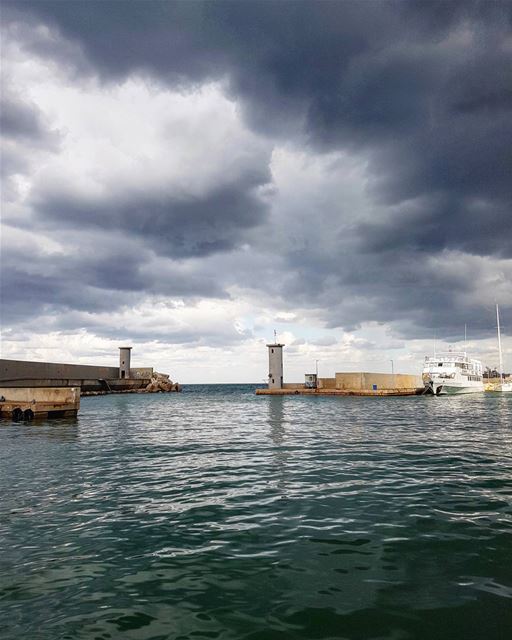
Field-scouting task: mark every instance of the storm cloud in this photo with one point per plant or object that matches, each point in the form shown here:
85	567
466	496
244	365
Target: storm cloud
350	161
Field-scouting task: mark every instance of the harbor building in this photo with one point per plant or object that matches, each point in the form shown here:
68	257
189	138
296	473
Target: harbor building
311	380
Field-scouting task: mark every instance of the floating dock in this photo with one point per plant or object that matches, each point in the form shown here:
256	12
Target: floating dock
29	403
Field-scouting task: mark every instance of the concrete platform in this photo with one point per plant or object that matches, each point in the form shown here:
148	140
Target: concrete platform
28	403
339	392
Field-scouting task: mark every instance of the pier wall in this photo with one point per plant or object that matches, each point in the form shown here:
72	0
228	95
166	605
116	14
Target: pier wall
293	385
327	383
19	370
141	372
364	381
13	370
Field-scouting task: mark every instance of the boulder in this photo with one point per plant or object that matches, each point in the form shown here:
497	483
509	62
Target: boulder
160	382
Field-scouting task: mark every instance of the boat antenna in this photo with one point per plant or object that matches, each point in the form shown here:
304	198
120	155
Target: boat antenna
435	341
275	336
465	337
499	342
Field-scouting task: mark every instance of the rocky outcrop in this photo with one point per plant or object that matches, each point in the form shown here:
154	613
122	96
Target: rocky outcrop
161	383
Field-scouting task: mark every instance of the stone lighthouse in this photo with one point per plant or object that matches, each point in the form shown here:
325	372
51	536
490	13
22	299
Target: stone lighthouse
124	362
275	365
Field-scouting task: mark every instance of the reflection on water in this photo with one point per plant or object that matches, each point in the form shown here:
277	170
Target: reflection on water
218	514
62	429
277	436
276	419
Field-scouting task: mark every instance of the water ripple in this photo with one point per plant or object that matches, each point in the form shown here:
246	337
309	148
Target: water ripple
218	514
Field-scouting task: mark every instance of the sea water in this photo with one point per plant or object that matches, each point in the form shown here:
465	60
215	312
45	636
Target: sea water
215	513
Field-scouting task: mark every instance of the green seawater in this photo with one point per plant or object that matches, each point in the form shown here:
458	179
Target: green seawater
218	514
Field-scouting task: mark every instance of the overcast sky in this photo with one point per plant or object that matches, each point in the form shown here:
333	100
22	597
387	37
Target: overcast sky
186	177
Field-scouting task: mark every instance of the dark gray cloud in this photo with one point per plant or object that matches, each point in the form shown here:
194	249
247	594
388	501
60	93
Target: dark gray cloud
421	89
174	226
22	127
19	120
101	275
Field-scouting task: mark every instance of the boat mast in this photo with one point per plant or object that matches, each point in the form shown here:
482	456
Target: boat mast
499	344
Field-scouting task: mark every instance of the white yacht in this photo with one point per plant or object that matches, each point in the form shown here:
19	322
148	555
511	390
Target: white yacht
502	386
452	372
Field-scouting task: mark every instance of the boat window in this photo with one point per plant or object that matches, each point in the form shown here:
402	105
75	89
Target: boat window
440	364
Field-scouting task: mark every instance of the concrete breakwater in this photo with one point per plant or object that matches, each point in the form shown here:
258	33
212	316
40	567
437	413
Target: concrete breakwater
43	388
359	383
25	373
91	379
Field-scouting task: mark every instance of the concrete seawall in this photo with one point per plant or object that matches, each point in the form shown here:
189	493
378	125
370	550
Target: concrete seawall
17	372
43	388
89	378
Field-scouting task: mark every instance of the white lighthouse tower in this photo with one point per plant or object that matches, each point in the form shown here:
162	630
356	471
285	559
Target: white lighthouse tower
275	365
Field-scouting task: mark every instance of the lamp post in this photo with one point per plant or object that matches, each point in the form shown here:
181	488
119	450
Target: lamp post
393	373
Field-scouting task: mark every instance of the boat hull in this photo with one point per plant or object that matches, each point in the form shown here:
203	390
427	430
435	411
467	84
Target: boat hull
436	389
452	390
